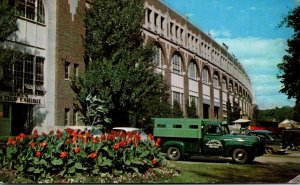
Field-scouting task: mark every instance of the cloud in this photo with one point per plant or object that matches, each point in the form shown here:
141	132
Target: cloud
220	33
259	57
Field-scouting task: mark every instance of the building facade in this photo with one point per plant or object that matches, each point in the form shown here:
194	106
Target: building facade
35	91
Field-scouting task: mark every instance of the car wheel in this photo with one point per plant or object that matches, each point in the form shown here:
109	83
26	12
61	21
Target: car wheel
240	156
173	153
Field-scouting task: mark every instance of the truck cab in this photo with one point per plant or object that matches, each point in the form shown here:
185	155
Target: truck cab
183	137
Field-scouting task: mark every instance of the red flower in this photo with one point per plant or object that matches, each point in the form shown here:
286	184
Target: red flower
63	154
94	140
123	143
68	141
93	155
87	134
74	140
9	140
80	135
150	136
22	135
76	150
158	140
32	144
18	138
38	154
51	132
14	142
43	144
154	161
43	134
117	146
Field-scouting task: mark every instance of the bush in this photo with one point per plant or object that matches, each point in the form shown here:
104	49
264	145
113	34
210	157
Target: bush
74	153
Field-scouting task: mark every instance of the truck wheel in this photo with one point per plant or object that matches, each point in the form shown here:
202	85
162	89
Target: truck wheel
173	153
240	156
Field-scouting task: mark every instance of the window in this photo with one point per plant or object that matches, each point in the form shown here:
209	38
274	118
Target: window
66	119
158	56
24	75
178	97
213	129
30	9
194	99
192	71
176	62
67	70
205	78
76	70
75	117
149	15
216	81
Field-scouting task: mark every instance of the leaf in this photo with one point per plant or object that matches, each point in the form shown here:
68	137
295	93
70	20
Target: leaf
106	162
57	162
144	154
70	161
59	145
30	169
135	161
71	170
127	162
79	166
37	170
117	172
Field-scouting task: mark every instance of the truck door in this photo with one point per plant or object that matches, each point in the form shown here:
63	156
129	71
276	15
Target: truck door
212	140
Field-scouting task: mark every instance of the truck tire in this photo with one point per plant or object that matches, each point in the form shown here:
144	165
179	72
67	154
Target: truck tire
240	156
173	153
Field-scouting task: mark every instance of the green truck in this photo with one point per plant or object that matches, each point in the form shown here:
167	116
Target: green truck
183	137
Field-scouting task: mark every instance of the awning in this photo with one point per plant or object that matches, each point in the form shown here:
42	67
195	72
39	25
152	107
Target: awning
242	121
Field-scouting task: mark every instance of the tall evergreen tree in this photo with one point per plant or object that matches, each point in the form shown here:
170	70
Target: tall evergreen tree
119	70
192	110
229	112
176	110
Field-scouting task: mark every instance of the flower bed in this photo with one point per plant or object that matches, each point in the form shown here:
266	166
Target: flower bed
71	153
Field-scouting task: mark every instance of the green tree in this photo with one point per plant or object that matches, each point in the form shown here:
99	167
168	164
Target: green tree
236	111
8	25
119	70
229	112
289	68
255	115
176	110
192	111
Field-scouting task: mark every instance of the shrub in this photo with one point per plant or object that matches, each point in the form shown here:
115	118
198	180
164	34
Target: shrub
74	153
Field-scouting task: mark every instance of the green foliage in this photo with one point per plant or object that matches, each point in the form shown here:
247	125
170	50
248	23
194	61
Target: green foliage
119	65
256	114
176	110
192	111
71	153
289	68
296	111
229	112
279	114
96	114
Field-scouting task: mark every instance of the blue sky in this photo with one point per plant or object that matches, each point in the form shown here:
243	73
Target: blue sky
250	29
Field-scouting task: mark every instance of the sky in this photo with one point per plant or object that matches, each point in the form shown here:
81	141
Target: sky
250	29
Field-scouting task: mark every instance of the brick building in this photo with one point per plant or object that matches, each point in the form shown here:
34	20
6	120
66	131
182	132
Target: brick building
36	91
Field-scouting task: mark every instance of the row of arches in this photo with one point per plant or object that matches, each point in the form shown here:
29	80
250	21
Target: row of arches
197	79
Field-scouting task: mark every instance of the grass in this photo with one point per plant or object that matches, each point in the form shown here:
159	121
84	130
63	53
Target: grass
227	172
193	171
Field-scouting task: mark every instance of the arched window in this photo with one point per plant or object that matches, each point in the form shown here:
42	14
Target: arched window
157	59
216	81
40	11
177	64
205	78
192	71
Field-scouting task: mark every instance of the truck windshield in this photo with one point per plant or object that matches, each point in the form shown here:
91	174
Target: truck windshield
225	129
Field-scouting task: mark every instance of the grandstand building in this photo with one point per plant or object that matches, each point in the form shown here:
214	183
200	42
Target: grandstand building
36	90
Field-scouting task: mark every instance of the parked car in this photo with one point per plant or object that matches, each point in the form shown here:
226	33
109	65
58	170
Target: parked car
143	135
273	143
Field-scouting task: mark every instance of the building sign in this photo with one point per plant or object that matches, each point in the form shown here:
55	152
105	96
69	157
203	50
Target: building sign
21	98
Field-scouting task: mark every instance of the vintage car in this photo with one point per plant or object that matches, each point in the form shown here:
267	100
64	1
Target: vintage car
273	143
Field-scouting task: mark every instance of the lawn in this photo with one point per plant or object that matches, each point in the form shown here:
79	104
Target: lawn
227	172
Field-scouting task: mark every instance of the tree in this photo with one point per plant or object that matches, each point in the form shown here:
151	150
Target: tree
255	115
229	112
192	111
289	68
236	111
119	70
176	110
8	25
